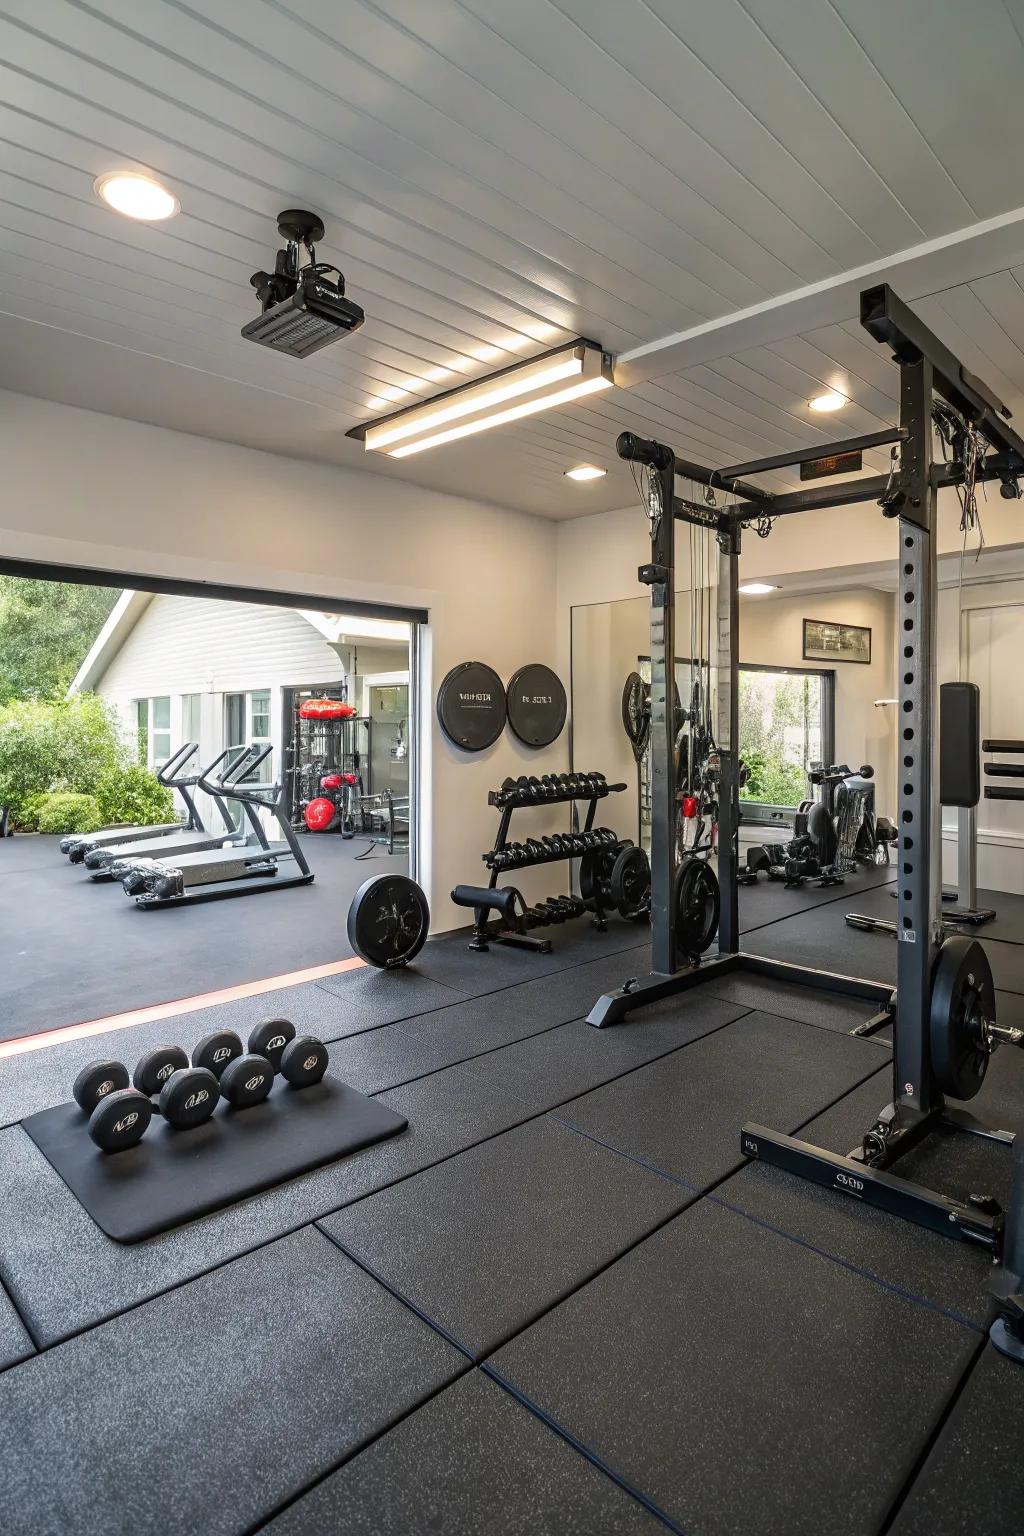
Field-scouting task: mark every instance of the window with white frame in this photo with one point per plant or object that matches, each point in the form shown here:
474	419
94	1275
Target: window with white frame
153	725
192	718
247	719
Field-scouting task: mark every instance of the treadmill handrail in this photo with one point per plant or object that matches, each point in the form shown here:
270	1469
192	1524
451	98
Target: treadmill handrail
170	773
244	760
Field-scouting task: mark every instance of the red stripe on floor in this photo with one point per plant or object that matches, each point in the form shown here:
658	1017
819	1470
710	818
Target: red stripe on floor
167	1010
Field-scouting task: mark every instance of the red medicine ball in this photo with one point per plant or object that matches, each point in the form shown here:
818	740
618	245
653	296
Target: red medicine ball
319	814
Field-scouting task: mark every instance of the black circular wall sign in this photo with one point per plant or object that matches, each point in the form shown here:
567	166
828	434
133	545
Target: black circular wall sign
536	705
471	706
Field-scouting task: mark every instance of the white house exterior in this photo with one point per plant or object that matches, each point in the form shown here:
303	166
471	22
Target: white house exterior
196	669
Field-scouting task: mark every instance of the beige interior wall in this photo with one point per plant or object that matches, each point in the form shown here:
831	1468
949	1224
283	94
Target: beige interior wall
86	489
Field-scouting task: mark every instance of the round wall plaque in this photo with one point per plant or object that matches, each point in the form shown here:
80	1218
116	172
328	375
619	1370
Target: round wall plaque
471	707
536	705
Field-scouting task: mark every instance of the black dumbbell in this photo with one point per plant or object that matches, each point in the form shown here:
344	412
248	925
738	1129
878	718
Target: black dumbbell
247	1080
217	1051
118	1115
270	1038
304	1061
186	1095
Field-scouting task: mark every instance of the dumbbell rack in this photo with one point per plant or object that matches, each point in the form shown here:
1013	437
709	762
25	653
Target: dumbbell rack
589	788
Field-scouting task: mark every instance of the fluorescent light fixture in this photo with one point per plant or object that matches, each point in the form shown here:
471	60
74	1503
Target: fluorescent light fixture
757	588
559	376
585	472
137	196
831	400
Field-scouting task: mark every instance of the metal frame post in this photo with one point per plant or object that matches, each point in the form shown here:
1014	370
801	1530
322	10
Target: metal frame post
659	575
919	886
728	733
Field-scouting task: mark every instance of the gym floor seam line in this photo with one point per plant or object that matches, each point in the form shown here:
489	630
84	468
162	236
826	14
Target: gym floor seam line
834	1258
364	1444
22	1045
577	1445
931	1440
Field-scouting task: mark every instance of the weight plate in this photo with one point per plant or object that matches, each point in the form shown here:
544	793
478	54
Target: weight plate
631	883
216	1051
156	1067
471	706
189	1097
595	873
247	1080
636	713
270	1038
697	906
536	705
963	993
120	1120
304	1061
97	1081
388	921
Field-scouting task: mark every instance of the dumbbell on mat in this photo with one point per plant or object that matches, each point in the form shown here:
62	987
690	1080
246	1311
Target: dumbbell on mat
119	1115
245	1076
301	1059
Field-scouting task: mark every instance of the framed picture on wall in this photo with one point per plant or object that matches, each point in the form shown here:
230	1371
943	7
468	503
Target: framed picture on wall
824	641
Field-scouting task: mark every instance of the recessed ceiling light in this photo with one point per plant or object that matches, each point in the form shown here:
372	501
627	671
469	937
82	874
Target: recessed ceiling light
757	588
137	196
831	400
585	472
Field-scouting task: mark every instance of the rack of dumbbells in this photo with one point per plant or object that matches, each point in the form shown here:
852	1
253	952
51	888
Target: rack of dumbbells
614	875
185	1134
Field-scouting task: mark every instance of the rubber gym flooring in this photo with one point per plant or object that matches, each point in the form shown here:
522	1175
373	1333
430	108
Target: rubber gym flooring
558	1303
72	950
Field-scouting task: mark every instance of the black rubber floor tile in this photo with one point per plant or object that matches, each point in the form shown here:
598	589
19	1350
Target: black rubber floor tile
769	901
382	1058
485	1242
372	997
471	1462
807	1005
41	1078
973	1480
548	1069
15	1343
821	938
206	1409
1007	961
683	1115
448	959
732	1377
933	1269
64	1274
500	1018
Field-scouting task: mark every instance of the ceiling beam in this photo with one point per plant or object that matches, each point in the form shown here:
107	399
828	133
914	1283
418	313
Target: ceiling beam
963	255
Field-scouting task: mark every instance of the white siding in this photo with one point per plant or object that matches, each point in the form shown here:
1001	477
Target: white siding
185	645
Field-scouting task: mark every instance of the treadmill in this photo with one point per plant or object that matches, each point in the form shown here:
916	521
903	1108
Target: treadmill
218	873
172	774
114	860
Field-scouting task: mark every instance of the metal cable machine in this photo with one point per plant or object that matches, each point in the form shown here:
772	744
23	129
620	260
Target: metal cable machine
944	1008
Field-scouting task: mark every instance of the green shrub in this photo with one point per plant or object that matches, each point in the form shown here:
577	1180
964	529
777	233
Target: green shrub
67	812
55	746
133	794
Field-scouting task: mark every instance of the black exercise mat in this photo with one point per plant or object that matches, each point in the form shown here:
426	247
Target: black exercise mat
172	1177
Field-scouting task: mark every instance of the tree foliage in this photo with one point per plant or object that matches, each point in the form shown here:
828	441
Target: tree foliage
72	747
46	629
778	721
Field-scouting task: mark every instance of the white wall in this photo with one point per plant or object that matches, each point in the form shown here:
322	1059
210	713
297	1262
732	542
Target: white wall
86	489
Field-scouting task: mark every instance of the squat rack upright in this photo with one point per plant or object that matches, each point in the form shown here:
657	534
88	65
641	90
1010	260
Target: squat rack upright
909	495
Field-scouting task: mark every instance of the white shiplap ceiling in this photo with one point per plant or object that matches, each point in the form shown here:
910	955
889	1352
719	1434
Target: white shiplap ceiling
496	178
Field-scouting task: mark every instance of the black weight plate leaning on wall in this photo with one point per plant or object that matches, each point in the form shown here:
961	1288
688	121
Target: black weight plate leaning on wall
536	705
388	921
471	707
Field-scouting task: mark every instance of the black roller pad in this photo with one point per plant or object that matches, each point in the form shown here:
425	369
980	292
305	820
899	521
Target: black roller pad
172	1177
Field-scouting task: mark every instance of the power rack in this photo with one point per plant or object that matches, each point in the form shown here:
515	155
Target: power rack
944	1008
